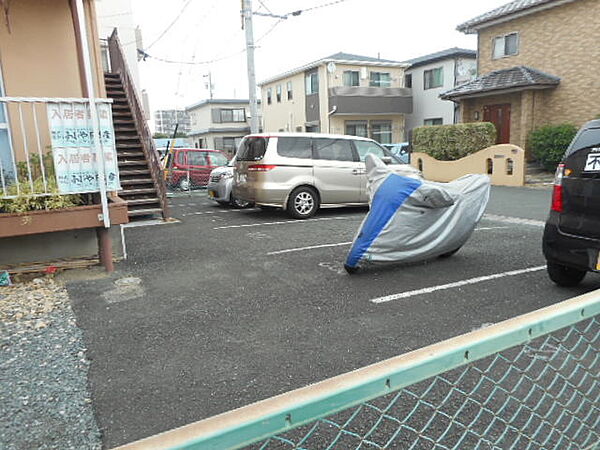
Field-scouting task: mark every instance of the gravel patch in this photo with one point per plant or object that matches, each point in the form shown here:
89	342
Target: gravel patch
43	371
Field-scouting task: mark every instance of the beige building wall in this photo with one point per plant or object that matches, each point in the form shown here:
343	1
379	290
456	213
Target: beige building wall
337	124
288	114
39	57
562	41
336	78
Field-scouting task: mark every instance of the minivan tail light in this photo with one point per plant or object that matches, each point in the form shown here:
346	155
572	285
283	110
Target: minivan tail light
260	167
557	192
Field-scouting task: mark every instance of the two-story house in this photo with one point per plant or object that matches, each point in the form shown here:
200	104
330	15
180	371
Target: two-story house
538	64
340	94
432	74
219	124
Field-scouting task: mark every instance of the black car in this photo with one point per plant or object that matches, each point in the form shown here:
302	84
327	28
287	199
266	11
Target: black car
572	234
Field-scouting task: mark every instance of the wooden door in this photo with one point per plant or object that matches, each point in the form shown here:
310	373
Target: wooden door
499	115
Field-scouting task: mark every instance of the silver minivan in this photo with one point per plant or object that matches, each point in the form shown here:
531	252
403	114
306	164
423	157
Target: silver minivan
301	172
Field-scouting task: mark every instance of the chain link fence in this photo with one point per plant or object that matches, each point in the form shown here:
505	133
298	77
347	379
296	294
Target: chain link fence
543	394
530	382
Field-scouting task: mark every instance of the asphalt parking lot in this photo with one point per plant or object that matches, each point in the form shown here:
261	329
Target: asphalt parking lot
236	306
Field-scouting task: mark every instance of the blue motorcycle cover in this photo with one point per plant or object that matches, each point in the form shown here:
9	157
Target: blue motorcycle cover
412	219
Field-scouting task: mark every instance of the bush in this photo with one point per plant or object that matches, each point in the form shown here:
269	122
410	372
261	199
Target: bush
452	142
548	143
27	201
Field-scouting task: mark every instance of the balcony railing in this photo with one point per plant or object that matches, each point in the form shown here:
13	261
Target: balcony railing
47	147
370	100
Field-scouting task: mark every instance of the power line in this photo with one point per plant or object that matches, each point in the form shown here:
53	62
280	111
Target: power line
183	8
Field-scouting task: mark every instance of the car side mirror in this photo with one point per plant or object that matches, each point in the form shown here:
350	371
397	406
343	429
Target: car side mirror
386	159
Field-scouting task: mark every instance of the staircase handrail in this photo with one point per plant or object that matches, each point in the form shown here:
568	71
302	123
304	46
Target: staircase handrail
118	65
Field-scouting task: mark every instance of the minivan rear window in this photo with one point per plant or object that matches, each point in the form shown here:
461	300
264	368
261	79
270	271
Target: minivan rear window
587	138
252	149
294	147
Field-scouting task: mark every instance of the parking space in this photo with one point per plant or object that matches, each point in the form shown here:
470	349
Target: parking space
240	305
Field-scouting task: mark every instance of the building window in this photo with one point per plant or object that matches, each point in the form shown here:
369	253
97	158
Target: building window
351	78
230	144
357	128
278	93
269	95
233	115
408	80
380	79
290	94
381	131
312	83
433	78
506	45
436	121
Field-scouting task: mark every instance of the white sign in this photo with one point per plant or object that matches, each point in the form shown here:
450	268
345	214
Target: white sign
592	163
76	160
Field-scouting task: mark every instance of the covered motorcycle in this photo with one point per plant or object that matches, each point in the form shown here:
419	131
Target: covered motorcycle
412	219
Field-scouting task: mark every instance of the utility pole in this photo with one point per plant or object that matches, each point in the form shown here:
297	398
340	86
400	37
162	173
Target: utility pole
247	25
209	85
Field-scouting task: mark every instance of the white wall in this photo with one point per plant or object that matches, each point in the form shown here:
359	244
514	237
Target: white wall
426	102
119	14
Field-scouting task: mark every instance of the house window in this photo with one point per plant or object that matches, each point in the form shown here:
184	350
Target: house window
312	83
233	115
433	78
506	45
269	95
436	121
380	79
381	131
408	80
290	94
278	93
351	78
357	128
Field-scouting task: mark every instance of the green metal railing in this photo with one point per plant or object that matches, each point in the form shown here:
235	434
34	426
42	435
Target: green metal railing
529	382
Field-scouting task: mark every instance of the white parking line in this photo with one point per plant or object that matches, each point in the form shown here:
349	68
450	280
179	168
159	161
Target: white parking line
428	290
514	220
282	222
337	244
299	249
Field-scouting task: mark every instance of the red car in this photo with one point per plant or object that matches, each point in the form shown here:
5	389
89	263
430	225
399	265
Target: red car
190	167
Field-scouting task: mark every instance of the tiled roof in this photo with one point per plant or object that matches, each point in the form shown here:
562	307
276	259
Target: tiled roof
515	77
341	56
516	6
448	53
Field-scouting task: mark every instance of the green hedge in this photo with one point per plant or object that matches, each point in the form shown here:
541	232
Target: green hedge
548	143
452	142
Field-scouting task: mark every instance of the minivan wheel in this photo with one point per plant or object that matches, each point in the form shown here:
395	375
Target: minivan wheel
303	203
239	203
563	275
184	184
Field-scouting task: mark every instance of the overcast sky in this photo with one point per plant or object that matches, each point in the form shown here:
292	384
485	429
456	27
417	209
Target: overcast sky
211	29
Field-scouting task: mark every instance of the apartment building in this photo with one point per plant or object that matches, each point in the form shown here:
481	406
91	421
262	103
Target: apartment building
340	94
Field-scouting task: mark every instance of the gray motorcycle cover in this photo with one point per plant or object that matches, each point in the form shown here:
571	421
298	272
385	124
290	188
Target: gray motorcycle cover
412	219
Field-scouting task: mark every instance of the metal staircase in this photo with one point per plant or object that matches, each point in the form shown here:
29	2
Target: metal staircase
143	186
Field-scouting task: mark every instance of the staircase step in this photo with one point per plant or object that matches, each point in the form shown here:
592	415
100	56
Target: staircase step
131	156
121	121
137	191
142	201
122	115
128	145
115	92
124	106
130	172
125	129
127	137
144	212
111	75
135	181
130	163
